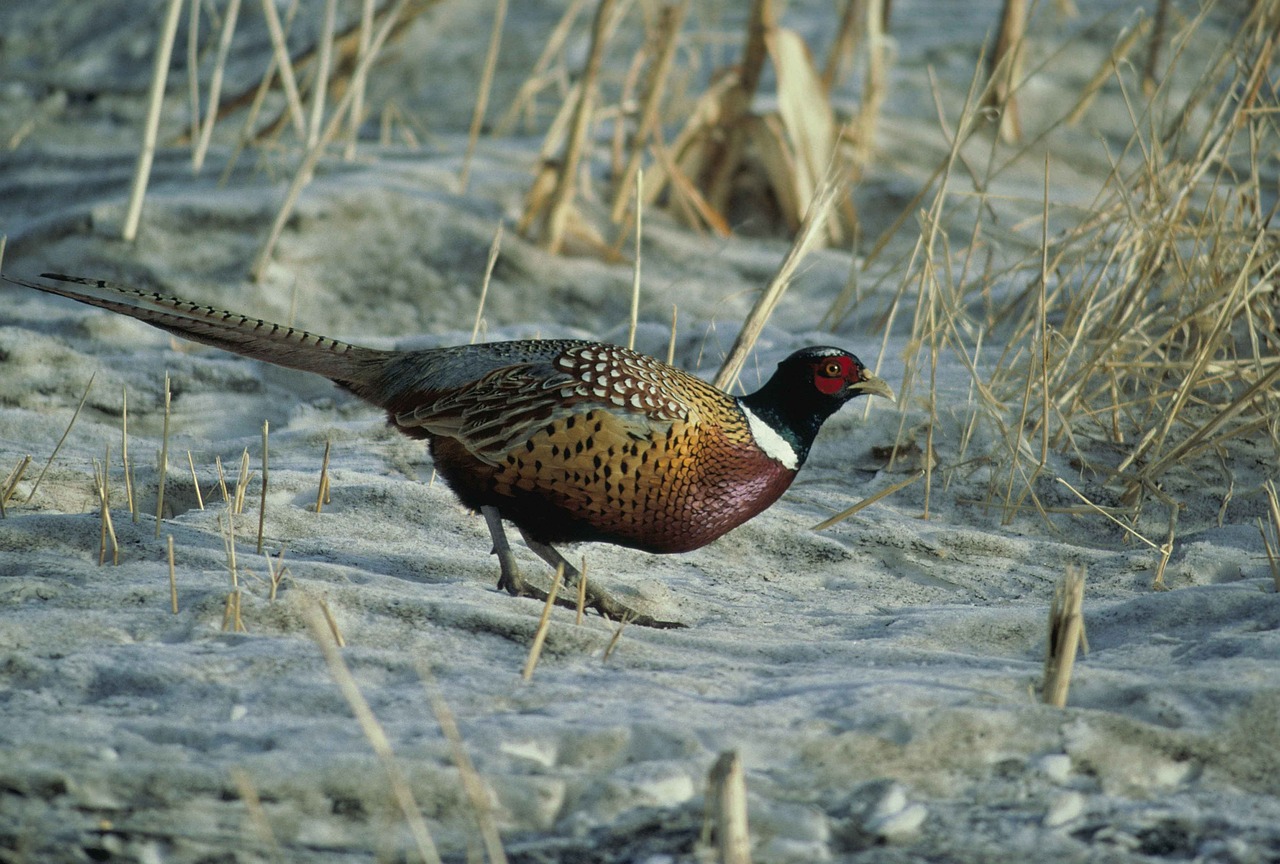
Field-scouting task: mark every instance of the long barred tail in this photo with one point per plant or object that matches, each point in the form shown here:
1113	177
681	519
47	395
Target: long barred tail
350	365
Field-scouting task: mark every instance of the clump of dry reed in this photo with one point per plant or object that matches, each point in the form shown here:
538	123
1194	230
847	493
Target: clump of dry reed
337	67
1143	341
724	148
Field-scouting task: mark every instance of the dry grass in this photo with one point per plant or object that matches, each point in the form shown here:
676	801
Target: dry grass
11	483
242	485
868	501
57	447
1006	64
722	145
231	618
582	590
101	483
1145	339
815	221
494	249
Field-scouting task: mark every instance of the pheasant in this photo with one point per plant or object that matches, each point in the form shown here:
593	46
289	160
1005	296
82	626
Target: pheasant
568	440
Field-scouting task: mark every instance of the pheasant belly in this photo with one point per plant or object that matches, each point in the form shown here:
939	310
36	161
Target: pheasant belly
593	477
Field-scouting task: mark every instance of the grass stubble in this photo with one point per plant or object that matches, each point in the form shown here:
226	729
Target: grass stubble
1066	636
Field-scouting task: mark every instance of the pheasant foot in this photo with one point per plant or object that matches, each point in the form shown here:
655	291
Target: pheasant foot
596	598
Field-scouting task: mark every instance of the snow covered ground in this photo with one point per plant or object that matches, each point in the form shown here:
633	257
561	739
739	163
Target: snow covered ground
879	679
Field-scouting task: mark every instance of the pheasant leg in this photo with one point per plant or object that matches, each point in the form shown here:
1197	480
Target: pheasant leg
509	579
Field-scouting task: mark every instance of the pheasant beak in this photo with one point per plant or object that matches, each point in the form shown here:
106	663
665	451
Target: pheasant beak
872	385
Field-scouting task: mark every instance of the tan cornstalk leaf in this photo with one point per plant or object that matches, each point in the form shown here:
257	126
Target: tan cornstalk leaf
807	118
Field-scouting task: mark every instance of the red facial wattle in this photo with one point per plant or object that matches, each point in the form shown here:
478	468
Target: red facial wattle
833	374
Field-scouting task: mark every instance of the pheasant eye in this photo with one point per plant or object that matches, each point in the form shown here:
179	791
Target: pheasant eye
833	370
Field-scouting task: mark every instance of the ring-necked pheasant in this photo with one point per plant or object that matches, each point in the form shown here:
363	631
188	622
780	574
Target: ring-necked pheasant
568	440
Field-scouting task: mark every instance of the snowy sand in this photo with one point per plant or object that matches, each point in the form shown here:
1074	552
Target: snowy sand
879	679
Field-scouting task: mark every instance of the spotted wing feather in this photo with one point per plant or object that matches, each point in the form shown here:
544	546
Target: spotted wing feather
504	408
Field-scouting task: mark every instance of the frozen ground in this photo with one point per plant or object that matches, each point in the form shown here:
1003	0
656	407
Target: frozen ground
878	679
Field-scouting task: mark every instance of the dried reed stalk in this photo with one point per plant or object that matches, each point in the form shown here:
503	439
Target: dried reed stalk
193	76
737	105
671	341
482	95
163	466
303	173
257	814
332	623
364	41
262	501
1006	68
375	735
231	619
276	571
62	440
173	578
125	464
322	493
555	210
633	319
1273	507
582	593
242	484
323	61
1159	22
615	639
537	77
100	482
494	248
727	810
256	97
1066	636
1109	68
284	68
664	39
812	228
222	479
875	80
843	44
472	784
11	483
195	480
201	148
867	502
151	127
544	623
